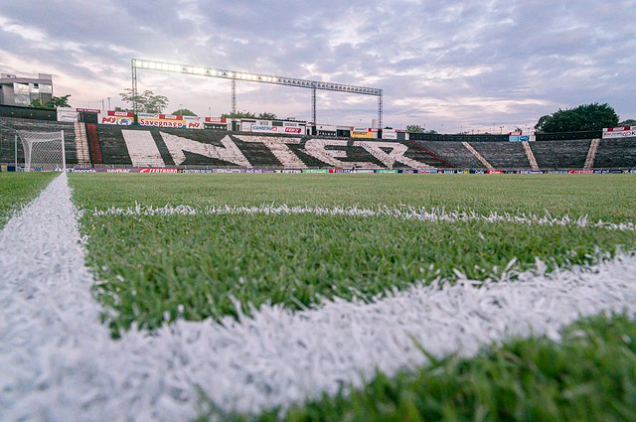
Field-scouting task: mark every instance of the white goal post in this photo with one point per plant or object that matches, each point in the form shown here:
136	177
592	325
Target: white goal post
43	151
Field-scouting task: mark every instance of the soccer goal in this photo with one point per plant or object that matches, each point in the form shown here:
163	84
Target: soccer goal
43	151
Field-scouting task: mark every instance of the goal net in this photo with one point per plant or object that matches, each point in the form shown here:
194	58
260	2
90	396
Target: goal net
43	151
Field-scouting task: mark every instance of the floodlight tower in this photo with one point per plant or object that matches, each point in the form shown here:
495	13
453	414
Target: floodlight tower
252	77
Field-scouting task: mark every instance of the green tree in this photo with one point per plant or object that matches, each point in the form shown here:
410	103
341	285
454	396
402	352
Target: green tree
628	122
584	117
415	128
239	115
53	103
184	112
267	116
147	102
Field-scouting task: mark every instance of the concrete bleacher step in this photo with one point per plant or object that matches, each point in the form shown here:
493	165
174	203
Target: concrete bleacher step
591	154
478	156
81	145
531	158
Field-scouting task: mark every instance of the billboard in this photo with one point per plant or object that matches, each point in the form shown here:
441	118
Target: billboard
66	114
361	132
389	134
277	129
522	138
169	120
216	120
126	118
619	132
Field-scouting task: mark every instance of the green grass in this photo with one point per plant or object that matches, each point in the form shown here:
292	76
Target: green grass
608	197
151	265
589	376
17	189
148	266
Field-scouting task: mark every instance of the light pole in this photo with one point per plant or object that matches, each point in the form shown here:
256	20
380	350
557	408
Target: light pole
109	103
501	130
181	109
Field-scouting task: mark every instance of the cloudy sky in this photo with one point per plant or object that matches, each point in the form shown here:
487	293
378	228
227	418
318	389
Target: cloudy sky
447	65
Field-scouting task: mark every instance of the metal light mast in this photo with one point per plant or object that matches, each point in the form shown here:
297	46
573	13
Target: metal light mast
252	77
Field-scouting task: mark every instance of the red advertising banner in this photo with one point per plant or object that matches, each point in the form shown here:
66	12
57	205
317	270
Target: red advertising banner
112	117
157	170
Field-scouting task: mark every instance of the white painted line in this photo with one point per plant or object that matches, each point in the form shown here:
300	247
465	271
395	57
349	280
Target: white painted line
58	363
403	212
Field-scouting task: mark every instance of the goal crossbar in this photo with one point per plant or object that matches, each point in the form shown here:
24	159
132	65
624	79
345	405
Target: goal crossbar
43	150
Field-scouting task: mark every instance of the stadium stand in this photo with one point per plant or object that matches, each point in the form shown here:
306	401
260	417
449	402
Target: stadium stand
81	145
454	153
530	155
503	155
156	147
10	125
212	148
591	154
613	153
93	144
561	154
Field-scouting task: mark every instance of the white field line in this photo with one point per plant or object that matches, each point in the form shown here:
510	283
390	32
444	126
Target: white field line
403	212
58	362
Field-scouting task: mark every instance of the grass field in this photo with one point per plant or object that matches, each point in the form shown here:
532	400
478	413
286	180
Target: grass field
154	266
150	265
17	189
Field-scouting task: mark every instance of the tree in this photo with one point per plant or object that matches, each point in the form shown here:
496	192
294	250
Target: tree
147	102
184	112
415	128
419	129
239	115
267	116
53	103
628	122
584	117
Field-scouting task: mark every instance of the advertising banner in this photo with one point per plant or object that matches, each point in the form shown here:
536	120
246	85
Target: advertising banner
125	118
495	172
389	134
66	114
619	132
216	120
229	170
522	138
169	120
157	170
580	171
386	171
362	132
120	170
327	131
276	129
193	122
315	171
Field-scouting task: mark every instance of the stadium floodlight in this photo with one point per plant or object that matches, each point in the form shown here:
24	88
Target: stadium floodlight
255	77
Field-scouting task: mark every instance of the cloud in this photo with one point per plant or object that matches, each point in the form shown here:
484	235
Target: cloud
446	64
